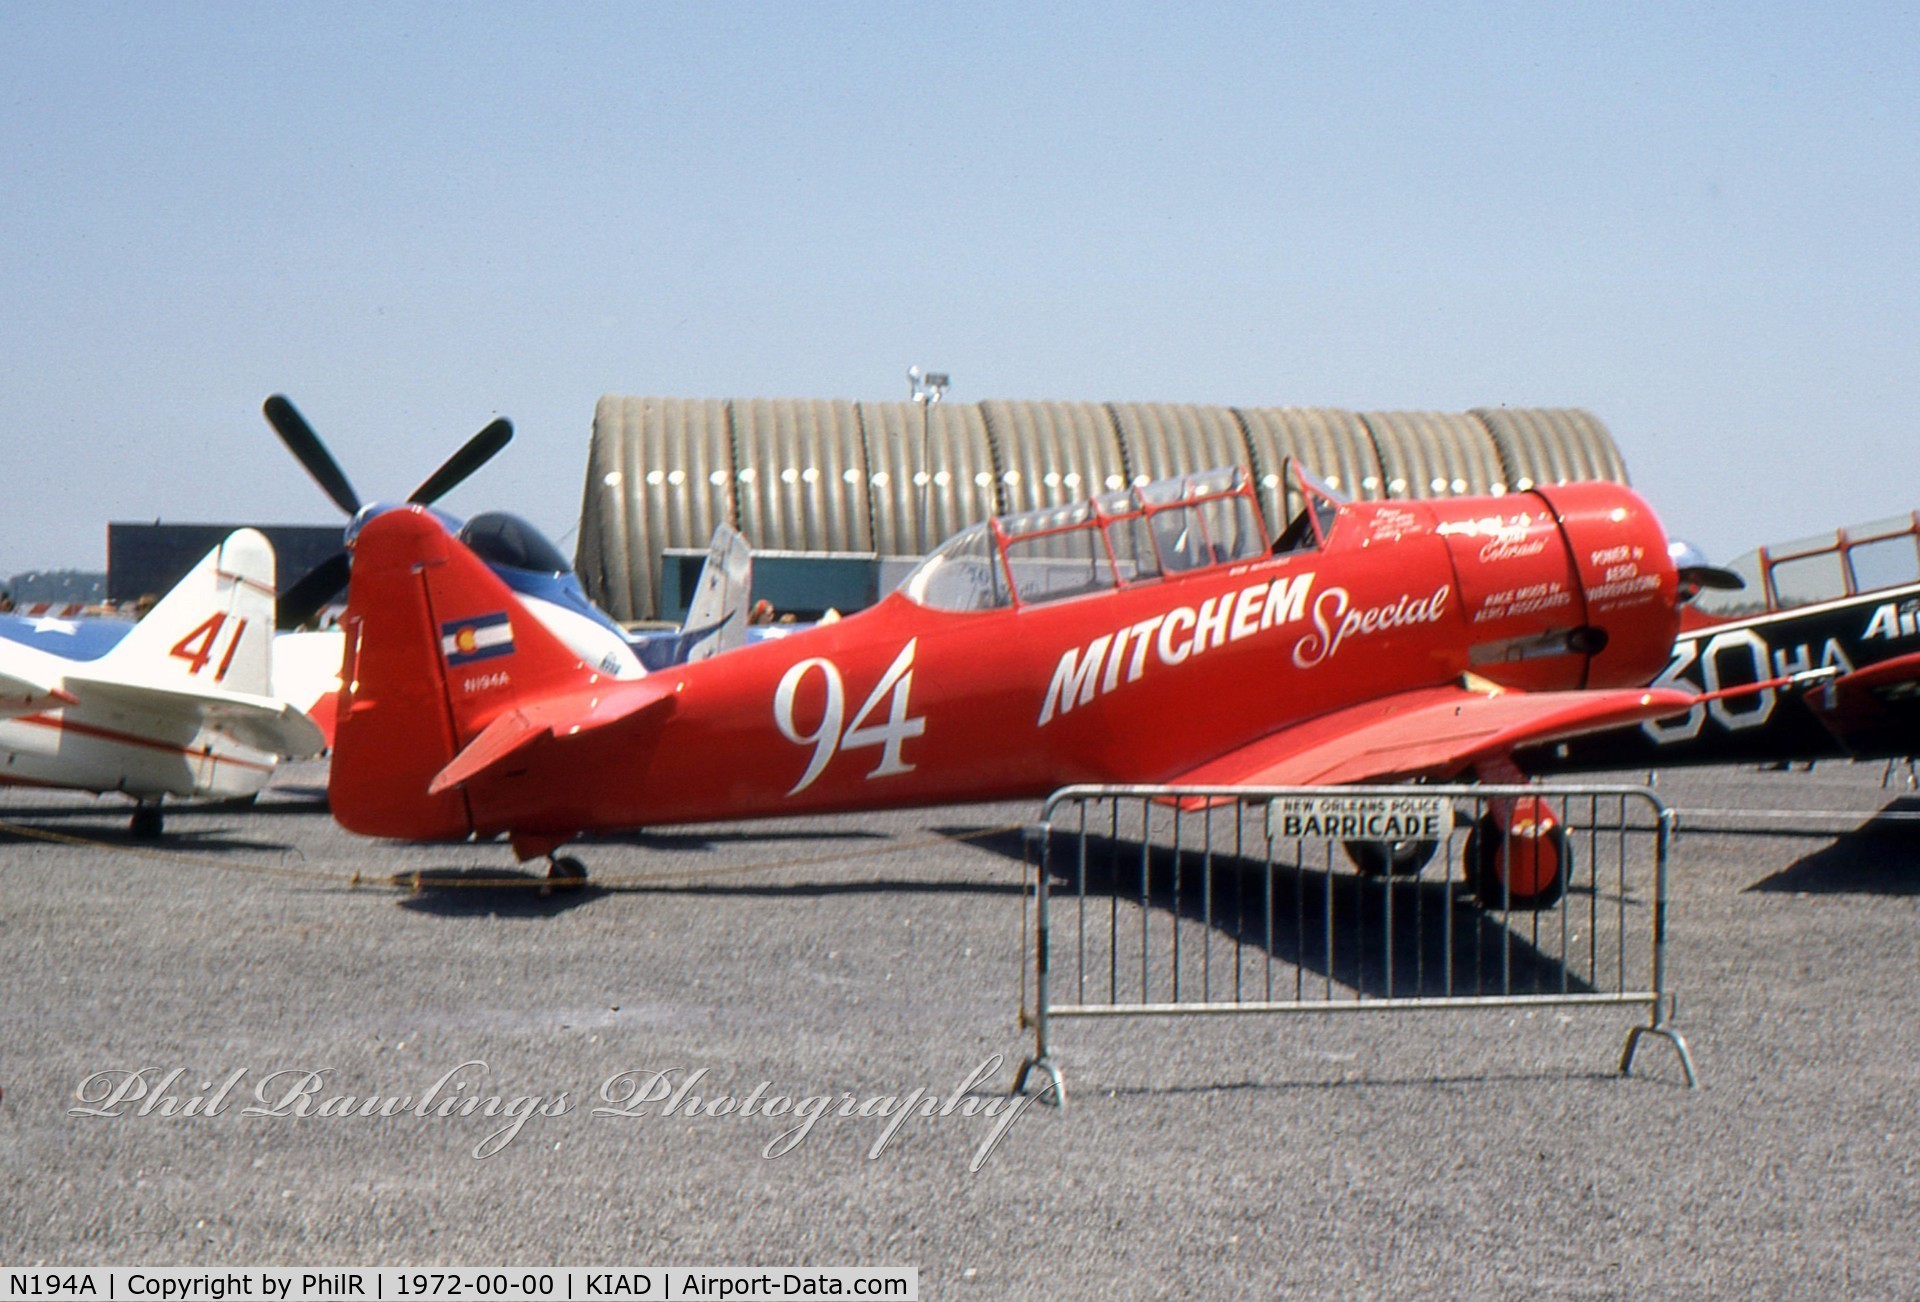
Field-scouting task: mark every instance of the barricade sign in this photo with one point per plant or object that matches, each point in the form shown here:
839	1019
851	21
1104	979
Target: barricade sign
1166	901
1360	818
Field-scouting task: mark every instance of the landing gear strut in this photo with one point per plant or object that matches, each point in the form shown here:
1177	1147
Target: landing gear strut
147	822
564	872
1518	856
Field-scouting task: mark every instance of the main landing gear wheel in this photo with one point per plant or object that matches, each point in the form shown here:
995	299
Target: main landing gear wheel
1525	867
565	873
1390	858
147	822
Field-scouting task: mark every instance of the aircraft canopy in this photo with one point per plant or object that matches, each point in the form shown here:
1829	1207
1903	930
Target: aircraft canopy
1132	535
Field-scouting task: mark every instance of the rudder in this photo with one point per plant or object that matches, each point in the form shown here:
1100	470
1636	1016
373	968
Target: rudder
437	648
213	629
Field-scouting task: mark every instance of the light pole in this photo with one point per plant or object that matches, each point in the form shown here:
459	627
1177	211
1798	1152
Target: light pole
928	387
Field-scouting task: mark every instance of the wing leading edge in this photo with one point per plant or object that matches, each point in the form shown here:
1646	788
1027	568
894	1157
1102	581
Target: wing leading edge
1436	732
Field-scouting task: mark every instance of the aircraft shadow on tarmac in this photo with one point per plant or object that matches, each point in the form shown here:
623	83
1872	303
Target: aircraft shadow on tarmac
526	893
301	797
492	892
698	842
489	892
1880	857
1376	937
1348	1084
107	829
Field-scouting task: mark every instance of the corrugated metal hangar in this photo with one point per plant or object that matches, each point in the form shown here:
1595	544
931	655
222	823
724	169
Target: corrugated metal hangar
895	478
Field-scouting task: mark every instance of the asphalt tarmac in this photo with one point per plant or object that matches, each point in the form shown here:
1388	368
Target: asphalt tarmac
652	1047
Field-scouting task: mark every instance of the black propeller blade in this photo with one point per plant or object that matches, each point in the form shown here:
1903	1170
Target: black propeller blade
304	599
1710	576
477	451
307	448
318	586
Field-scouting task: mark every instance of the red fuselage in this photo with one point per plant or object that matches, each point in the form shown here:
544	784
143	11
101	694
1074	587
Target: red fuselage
903	704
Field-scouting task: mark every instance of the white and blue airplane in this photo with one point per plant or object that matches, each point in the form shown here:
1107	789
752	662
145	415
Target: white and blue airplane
539	575
178	705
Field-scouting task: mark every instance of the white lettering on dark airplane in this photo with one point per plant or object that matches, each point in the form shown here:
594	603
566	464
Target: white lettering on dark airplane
1334	622
1736	656
1173	638
1894	620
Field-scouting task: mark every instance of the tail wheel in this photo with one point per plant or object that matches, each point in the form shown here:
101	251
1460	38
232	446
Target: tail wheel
565	873
1390	858
1525	867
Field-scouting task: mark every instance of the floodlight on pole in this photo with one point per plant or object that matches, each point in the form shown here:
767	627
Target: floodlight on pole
927	388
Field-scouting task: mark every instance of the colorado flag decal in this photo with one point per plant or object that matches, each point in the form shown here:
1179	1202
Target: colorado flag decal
480	638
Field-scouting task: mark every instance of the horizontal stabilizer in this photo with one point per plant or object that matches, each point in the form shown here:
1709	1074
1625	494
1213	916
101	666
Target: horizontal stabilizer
565	714
261	722
24	692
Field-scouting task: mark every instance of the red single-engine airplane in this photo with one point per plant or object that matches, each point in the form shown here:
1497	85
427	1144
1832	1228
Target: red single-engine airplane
1155	634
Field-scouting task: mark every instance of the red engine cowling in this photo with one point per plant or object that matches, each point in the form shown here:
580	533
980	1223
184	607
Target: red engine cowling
1627	579
1563	587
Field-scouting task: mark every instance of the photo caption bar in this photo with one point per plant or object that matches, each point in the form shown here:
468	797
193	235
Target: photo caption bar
500	1283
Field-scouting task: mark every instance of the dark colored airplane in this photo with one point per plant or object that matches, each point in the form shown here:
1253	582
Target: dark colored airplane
1840	612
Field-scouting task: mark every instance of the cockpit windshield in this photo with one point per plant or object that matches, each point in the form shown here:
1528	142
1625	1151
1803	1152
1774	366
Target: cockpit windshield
500	538
1133	535
1313	524
1859	558
963	573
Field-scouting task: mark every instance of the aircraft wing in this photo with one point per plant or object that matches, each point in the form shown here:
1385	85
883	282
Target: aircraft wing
261	722
565	714
1897	672
1436	732
1856	707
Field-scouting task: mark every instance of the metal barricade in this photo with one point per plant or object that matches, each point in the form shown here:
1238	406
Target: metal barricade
1151	901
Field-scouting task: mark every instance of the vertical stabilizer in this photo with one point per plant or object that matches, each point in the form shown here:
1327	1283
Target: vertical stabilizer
437	648
717	618
214	629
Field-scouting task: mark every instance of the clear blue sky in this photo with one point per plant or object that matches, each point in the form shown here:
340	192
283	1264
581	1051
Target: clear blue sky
1699	222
